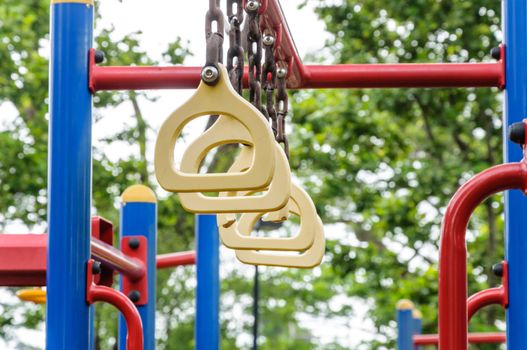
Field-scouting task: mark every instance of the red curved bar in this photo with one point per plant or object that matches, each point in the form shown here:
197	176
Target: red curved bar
453	318
484	298
176	259
473	338
94	293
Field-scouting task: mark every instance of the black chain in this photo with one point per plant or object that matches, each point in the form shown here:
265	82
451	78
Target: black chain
282	108
269	80
214	39
235	54
254	54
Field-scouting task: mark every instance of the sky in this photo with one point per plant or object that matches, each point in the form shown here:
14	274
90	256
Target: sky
161	22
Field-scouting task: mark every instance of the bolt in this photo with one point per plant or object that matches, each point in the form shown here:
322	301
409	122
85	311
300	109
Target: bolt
281	72
96	268
517	133
134	243
495	53
98	56
134	296
252	6
497	269
210	75
268	40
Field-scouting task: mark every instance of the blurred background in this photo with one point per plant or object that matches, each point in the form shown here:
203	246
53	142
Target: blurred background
380	165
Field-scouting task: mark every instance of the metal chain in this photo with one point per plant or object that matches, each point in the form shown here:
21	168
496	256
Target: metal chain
269	80
254	54
214	53
282	108
235	54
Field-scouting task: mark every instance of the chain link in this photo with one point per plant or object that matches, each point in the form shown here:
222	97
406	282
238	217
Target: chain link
282	108
235	54
214	39
269	80
254	54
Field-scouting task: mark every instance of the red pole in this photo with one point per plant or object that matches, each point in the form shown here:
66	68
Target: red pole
404	75
453	318
473	338
176	259
314	76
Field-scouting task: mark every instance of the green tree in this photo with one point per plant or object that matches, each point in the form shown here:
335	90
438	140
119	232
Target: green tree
382	164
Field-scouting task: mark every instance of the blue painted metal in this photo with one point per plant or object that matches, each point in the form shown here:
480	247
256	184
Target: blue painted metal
69	178
140	219
207	328
405	329
418	329
515	30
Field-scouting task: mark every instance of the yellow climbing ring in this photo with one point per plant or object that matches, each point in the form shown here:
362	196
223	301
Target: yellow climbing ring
35	295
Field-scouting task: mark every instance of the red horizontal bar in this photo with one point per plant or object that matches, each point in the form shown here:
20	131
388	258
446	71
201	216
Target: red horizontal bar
176	259
23	260
473	338
117	260
432	75
404	75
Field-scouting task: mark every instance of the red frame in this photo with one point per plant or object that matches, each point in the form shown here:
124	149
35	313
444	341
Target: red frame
302	76
23	258
134	324
453	328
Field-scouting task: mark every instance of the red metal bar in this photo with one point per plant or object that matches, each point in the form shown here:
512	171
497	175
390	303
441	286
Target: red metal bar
473	338
453	328
23	260
484	298
431	75
95	293
176	259
404	75
117	260
301	76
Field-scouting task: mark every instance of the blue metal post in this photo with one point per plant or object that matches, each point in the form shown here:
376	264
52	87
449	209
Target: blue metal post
69	177
418	324
405	325
207	331
139	218
515	31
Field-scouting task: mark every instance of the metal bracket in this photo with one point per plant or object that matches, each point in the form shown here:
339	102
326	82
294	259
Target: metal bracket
102	229
137	290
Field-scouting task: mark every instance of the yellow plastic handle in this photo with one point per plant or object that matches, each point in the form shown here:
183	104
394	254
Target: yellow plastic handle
273	198
306	259
224	100
303	206
36	295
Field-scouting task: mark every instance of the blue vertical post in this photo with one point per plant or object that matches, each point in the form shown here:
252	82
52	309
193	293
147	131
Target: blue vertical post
69	176
515	32
139	218
405	325
418	324
207	331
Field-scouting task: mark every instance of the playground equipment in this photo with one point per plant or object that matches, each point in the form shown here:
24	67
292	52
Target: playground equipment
409	335
65	261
